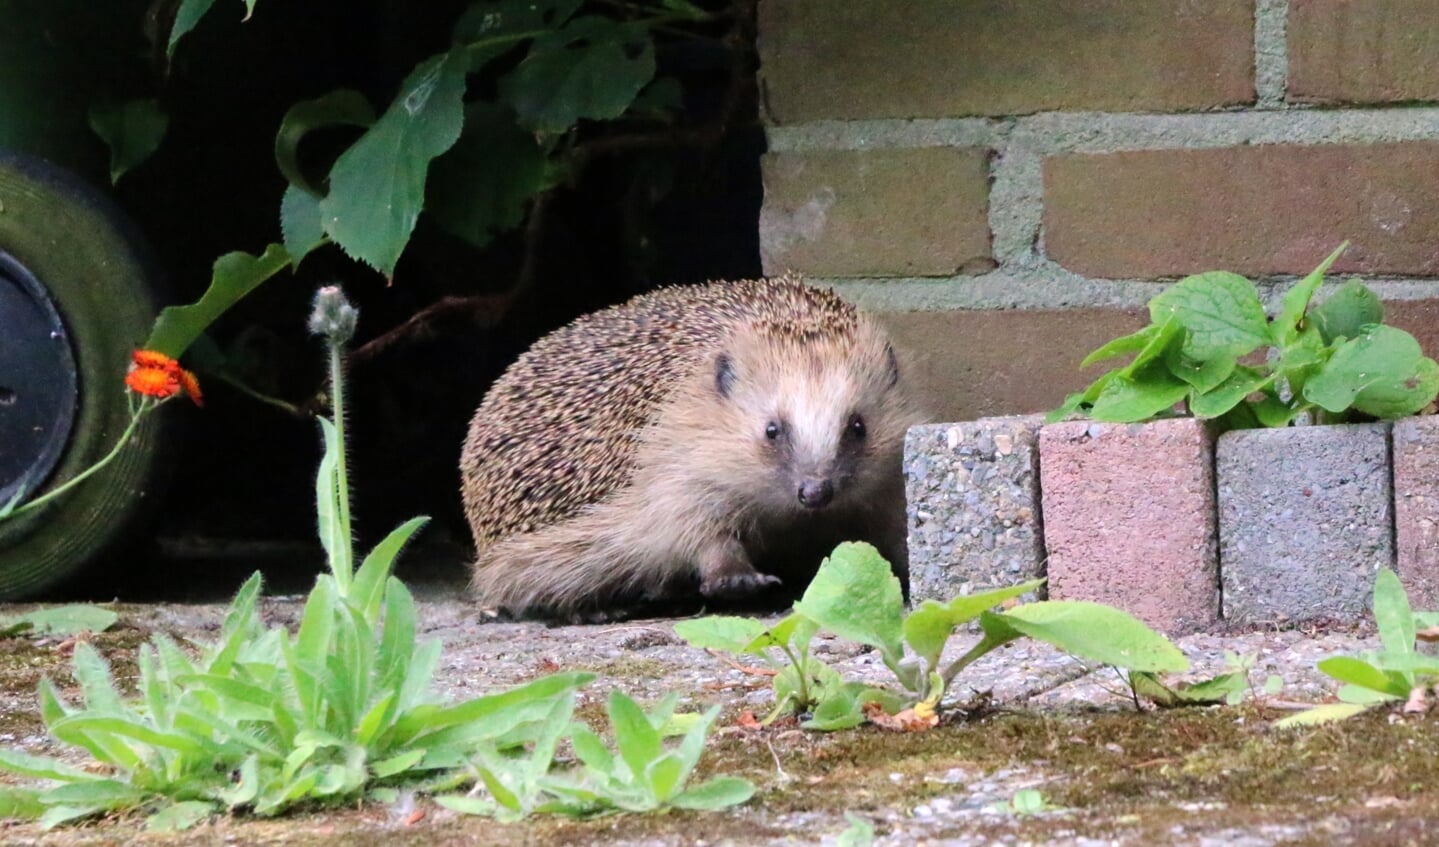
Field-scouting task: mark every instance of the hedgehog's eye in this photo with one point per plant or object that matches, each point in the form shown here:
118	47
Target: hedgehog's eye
856	427
772	430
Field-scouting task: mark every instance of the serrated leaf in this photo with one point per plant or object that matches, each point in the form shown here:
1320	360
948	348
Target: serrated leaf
178	817
132	129
856	595
1381	372
62	620
235	275
483	185
377	187
592	67
1345	312
1285	328
341	107
1220	311
300	224
1098	633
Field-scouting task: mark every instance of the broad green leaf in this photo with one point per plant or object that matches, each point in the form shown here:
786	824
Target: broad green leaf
341	107
507	707
58	814
177	817
1273	412
377	187
928	628
591	749
718	793
1127	400
820	682
1213	691
1345	312
1382	372
20	803
397	640
592	67
1221	312
1098	633
843	706
1201	376
1242	382
1392	614
1132	343
132	130
1285	328
243	792
637	741
1168	336
1075	402
720	632
234	276
300	224
396	764
483	185
856	595
62	620
1358	672
1327	713
186	17
794	630
664	776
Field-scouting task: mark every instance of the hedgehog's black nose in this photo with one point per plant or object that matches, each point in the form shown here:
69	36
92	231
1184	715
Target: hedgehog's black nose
815	493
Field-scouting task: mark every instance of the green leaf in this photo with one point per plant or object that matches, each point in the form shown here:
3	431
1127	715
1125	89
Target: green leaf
177	817
928	628
235	275
591	749
1327	713
794	630
58	814
483	185
1167	337
1345	312
300	224
1201	376
329	508
396	764
1242	382
720	632
859	833
133	130
1213	691
1273	412
42	767
1098	633
856	596
341	107
186	17
1221	312
592	67
637	741
718	793
1381	372
842	705
467	805
1285	328
1127	400
1357	672
20	803
61	620
1392	614
1132	343
377	187
507	708
368	589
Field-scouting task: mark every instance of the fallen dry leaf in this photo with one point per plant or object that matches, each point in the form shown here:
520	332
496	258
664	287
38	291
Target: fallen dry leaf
908	720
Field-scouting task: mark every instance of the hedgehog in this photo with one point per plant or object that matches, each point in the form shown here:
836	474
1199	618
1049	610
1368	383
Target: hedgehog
710	442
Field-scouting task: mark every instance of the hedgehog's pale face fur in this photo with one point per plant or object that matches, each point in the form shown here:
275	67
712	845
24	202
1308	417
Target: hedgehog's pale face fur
799	418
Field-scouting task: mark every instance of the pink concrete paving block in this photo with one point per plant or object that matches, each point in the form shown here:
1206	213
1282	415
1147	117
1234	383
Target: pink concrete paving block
1129	518
1416	508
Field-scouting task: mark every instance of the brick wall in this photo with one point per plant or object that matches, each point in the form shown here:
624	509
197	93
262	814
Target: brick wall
1009	181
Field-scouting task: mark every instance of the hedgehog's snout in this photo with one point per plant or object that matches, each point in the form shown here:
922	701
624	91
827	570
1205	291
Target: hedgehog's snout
816	493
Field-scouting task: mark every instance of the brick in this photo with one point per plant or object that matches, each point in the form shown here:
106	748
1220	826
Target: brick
909	212
1416	508
1377	51
1253	210
1304	521
973	495
821	59
1128	513
975	364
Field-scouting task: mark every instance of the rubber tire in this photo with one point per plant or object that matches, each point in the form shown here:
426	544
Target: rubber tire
86	254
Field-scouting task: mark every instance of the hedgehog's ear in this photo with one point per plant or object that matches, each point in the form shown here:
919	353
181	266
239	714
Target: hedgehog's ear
724	374
893	361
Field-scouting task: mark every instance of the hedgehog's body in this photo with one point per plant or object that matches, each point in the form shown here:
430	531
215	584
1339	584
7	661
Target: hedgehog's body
693	432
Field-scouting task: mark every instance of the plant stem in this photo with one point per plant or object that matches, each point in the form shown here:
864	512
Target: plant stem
985	645
804	699
146	405
345	555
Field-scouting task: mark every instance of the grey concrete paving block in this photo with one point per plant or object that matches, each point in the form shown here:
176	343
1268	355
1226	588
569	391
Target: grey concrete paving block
1129	518
973	506
1305	521
1416	508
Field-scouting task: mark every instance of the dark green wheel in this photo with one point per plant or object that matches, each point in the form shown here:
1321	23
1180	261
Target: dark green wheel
76	297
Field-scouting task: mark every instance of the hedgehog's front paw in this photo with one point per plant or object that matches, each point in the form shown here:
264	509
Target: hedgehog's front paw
735	586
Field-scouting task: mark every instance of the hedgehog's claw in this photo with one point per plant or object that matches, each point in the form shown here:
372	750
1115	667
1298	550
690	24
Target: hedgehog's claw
738	585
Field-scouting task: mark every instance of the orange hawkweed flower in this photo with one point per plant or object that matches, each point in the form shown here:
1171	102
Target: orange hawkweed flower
157	375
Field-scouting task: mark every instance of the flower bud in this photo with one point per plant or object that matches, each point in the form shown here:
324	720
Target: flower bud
333	316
